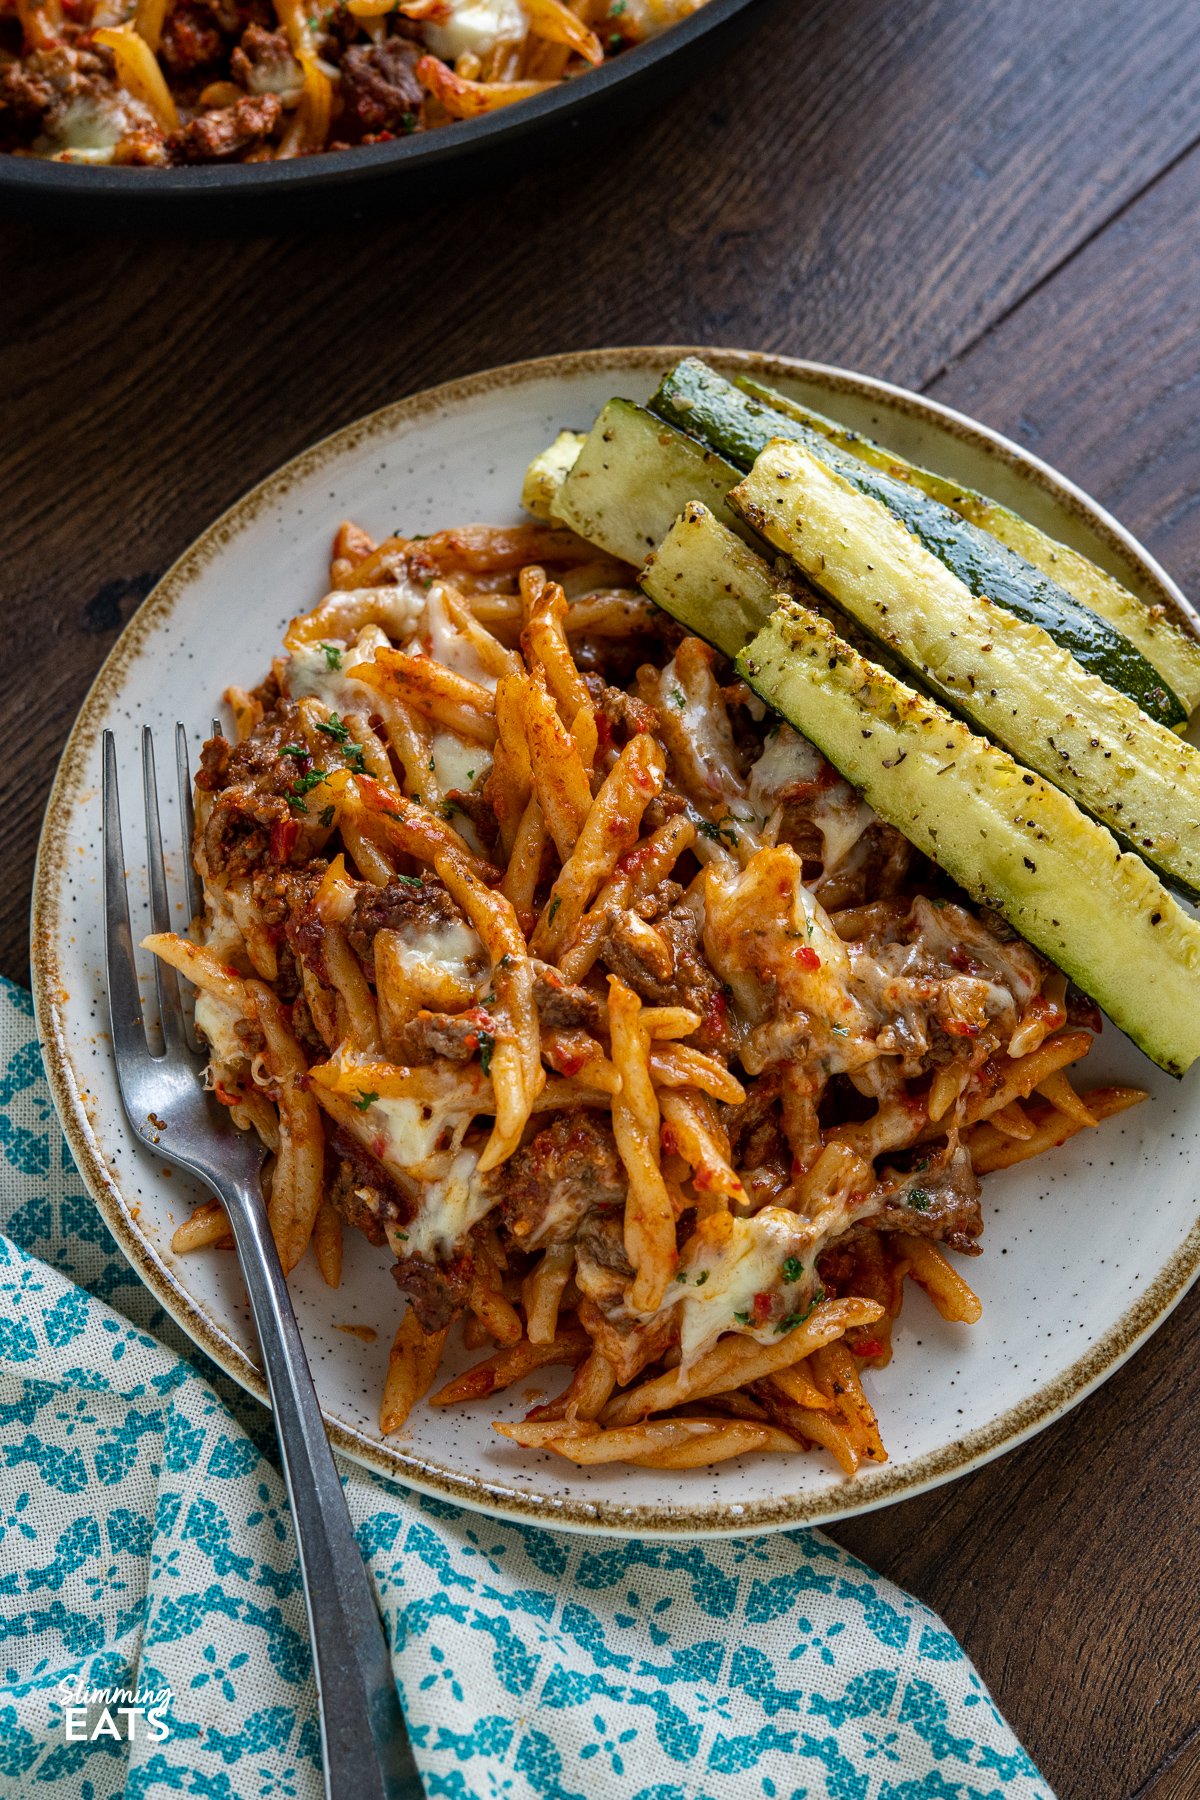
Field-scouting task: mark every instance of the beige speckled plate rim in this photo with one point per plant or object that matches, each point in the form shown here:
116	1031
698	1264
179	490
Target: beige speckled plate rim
478	1490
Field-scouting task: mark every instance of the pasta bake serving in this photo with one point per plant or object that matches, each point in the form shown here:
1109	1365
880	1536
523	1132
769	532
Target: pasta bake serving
542	949
161	83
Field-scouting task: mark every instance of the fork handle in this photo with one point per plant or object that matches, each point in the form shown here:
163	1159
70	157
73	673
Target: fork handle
365	1744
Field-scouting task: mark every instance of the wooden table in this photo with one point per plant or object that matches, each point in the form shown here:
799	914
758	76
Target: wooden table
993	201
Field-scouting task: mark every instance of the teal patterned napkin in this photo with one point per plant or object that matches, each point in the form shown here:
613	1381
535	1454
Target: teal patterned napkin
145	1545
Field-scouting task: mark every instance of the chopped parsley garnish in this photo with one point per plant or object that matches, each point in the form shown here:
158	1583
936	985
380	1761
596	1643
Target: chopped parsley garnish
489	999
617	8
616	41
554	906
681	1275
409	123
918	1199
793	1269
364	1100
742	1318
333	656
431	765
294	750
297	805
340	733
410	880
504	962
720	832
304	784
677	698
470	774
701	1278
327	815
487	1044
798	1318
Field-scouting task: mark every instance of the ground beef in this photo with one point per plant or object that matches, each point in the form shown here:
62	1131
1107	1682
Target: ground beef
561	1005
263	62
26	91
678	977
600	1250
368	1198
307	1035
562	1176
278	893
456	1036
939	1202
191	38
878	866
404	904
226	130
437	1292
475	805
661	808
603	1273
50	80
361	1188
306	931
758	1143
623	714
379	89
252	822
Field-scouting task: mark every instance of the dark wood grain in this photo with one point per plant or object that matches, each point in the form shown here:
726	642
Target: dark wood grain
1179	1777
995	200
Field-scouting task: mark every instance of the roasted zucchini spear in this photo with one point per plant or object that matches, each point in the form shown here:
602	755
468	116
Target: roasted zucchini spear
1005	675
738	427
1174	652
1013	841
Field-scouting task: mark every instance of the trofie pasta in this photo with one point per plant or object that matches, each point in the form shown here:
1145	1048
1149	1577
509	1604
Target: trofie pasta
535	948
161	83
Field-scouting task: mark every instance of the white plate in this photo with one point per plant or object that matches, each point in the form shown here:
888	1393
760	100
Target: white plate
1085	1251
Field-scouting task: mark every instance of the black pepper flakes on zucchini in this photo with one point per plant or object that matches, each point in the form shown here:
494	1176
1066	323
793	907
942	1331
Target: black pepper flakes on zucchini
738	427
1004	674
1174	652
1012	841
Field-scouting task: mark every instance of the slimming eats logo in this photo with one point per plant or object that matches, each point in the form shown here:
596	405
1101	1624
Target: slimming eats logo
126	1714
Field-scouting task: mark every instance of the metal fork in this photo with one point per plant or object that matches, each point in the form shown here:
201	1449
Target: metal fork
365	1746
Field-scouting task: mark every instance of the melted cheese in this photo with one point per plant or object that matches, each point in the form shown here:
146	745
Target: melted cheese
217	1020
726	1263
789	763
90	129
458	764
475	27
453	950
450	646
309	676
277	73
409	1130
446	1211
788	970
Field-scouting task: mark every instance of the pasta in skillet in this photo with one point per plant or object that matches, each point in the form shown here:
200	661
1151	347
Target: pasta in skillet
165	83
